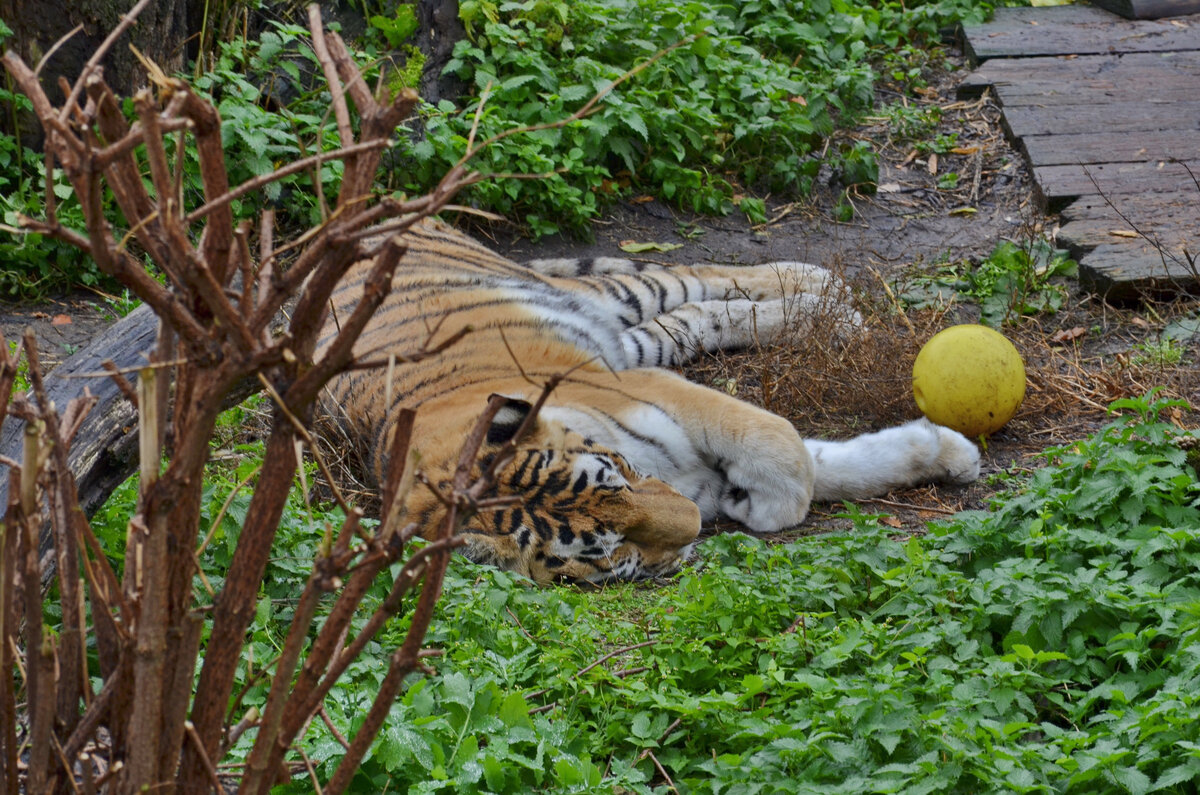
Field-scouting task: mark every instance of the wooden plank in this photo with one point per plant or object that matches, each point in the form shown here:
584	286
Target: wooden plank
1054	186
1085	73
1168	88
1082	236
1087	234
105	452
1069	32
1159	207
1096	233
1111	147
1058	15
1126	117
1126	272
1149	9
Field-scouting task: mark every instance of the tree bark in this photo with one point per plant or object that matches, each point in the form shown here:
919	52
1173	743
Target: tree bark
439	30
160	34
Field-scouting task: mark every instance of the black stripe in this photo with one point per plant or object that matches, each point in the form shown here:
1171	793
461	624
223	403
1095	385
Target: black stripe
655	287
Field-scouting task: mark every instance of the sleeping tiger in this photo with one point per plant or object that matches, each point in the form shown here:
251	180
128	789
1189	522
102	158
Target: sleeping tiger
626	458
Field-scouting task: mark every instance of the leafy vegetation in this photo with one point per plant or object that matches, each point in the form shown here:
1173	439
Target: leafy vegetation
30	264
1010	282
743	103
1048	644
272	113
744	99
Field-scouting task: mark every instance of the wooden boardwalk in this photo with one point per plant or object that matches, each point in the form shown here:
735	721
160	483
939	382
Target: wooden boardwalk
1106	111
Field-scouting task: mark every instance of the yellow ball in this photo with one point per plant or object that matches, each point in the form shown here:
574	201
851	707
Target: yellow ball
969	378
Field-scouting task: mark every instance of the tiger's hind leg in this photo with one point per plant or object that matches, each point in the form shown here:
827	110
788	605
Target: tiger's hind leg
575	267
679	336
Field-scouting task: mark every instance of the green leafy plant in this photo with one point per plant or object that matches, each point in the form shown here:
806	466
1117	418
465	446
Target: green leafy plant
31	264
396	28
911	122
1161	354
947	180
1049	643
857	167
276	71
743	105
939	144
1010	282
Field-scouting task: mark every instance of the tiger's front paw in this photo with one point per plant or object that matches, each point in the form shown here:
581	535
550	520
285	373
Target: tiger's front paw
957	458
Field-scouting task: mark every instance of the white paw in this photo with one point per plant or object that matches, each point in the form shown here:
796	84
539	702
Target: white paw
958	457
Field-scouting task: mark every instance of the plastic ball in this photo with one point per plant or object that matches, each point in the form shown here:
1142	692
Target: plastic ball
969	378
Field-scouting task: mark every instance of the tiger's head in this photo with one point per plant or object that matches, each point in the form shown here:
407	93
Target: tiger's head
585	515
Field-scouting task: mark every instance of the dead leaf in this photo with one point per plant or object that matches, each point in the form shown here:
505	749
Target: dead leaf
634	247
801	101
60	320
1141	323
932	165
1069	334
888	187
641	199
1122	233
892	521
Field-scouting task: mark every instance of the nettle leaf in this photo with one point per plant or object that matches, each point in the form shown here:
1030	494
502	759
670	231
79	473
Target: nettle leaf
574	93
1178	775
1133	780
516	82
635	122
401	742
456	689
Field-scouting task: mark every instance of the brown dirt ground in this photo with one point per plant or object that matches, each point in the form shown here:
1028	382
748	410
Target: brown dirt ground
909	226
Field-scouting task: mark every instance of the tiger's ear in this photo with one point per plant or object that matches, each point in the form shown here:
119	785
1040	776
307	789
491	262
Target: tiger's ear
508	419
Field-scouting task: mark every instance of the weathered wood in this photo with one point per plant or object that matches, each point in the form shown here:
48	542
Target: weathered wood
104	453
1083	74
1110	147
1175	208
1102	108
1074	30
1068	92
1149	9
1131	271
1054	186
1168	219
1128	117
1085	235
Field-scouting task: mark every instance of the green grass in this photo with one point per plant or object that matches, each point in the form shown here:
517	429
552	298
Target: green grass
1048	644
